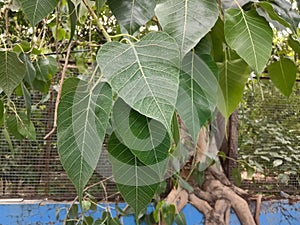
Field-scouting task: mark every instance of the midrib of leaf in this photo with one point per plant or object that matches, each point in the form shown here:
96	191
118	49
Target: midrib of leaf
284	80
250	35
226	81
192	87
84	133
184	24
145	78
131	15
35	10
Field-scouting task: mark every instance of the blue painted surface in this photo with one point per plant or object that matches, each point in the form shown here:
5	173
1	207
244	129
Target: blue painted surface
44	213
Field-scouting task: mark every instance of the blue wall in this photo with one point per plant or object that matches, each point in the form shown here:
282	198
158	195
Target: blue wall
44	213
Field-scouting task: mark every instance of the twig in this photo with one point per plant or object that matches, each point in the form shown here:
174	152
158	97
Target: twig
100	26
63	73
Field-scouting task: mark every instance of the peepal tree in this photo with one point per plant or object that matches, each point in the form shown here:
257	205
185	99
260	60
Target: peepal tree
161	72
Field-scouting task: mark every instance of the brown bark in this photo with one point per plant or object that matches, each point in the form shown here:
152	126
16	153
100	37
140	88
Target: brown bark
217	195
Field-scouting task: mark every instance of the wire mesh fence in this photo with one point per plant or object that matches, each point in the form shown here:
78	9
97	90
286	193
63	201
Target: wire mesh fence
269	135
32	169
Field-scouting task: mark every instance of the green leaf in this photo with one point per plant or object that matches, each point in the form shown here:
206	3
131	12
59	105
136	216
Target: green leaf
187	20
180	219
136	182
236	175
168	213
144	74
1	113
233	75
197	92
27	98
218	41
250	36
73	18
294	43
12	127
30	72
37	10
26	127
12	71
8	139
83	115
132	14
283	75
287	12
99	4
147	139
268	8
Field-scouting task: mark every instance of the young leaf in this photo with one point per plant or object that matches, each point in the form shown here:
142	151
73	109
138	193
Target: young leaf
233	75
136	182
283	75
144	74
37	10
12	71
250	36
197	92
187	20
132	14
83	115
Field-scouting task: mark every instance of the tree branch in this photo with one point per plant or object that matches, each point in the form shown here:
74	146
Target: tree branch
100	26
63	73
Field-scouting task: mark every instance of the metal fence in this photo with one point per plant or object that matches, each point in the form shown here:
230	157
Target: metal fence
269	133
269	136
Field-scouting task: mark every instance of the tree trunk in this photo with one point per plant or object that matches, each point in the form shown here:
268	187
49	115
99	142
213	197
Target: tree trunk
217	195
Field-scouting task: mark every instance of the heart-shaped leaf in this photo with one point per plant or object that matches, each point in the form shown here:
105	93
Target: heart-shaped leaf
136	182
144	74
37	10
197	92
233	75
132	14
83	115
283	75
250	36
187	20
12	71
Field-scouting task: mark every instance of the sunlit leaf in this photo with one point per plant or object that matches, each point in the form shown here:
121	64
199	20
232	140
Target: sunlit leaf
136	182
144	74
283	75
83	115
132	14
187	20
250	36
197	93
12	71
37	10
233	75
